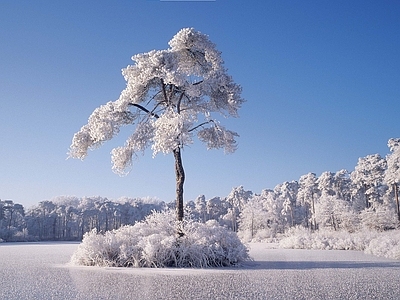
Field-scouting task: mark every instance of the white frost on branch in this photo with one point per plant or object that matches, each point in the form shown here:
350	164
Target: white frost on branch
121	157
169	93
217	137
103	124
392	176
170	131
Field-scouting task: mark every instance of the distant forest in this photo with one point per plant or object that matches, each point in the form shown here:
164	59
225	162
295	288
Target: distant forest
367	197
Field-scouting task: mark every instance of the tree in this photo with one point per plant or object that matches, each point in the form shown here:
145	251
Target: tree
308	191
392	174
287	192
11	219
342	185
368	178
201	208
170	95
326	183
253	218
237	198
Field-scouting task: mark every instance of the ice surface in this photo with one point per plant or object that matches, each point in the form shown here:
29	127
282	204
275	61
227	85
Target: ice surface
40	271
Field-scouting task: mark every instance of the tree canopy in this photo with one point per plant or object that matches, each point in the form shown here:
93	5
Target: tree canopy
170	95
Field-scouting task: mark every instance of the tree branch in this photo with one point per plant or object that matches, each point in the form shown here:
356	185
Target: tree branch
198	82
164	91
151	113
202	124
178	105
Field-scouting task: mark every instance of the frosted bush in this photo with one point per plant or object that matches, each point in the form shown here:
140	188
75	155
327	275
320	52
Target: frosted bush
386	244
323	239
297	238
379	218
266	235
153	243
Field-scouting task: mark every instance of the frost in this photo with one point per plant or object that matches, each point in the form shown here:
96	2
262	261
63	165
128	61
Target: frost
121	157
217	137
385	244
152	243
168	90
170	131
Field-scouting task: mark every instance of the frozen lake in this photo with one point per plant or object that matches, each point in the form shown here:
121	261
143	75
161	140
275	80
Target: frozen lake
40	271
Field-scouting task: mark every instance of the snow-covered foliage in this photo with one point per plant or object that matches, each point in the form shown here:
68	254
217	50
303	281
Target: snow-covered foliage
12	221
374	242
380	217
368	178
153	243
392	175
170	95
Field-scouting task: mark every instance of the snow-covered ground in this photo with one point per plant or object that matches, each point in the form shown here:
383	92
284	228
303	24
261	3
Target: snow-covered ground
41	271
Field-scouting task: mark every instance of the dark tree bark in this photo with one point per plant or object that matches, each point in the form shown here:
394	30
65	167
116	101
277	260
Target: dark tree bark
180	179
396	194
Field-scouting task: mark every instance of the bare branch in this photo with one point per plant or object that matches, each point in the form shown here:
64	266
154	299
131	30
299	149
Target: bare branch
178	105
164	91
151	113
171	90
200	125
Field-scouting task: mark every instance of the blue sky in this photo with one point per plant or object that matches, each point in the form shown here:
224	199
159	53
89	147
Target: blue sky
321	80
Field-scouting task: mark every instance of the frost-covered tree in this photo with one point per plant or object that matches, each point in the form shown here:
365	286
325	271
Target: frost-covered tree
215	208
170	95
392	174
331	211
342	185
237	198
368	179
307	193
201	208
253	218
273	205
287	192
326	183
11	220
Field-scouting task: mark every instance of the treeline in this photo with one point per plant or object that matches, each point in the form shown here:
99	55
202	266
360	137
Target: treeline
367	197
69	218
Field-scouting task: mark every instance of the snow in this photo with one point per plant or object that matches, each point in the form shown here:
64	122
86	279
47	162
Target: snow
162	95
153	243
41	271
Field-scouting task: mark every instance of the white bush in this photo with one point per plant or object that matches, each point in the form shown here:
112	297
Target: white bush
386	244
154	243
379	217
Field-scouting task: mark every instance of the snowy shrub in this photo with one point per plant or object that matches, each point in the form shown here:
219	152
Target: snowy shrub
268	235
386	244
297	238
379	217
153	243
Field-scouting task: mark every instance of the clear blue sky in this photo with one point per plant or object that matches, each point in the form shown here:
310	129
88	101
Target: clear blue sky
321	80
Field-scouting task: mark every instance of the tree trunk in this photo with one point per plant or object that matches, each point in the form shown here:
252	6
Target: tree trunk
180	179
313	220
396	193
